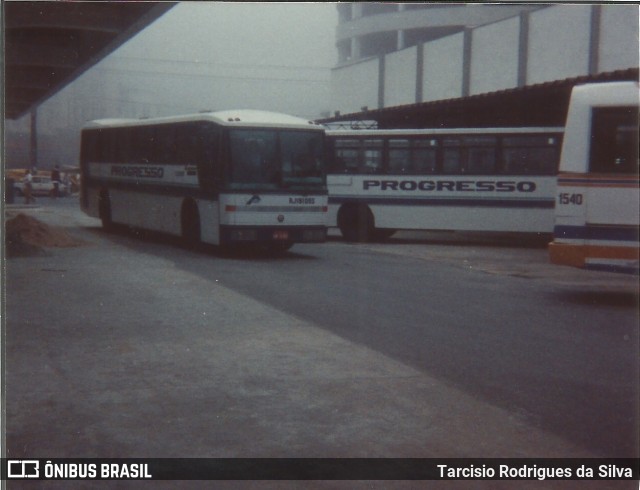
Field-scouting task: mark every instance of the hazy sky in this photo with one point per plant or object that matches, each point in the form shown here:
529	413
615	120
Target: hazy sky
217	55
301	34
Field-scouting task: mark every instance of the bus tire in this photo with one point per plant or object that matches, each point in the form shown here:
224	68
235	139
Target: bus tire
190	223
356	222
104	210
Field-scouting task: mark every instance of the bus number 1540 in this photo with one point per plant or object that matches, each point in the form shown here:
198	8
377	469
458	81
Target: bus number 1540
566	198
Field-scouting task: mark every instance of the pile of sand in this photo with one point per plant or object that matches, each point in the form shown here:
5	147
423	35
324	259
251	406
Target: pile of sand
27	236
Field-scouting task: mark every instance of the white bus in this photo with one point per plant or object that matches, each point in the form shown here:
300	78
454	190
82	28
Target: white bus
474	179
597	208
222	178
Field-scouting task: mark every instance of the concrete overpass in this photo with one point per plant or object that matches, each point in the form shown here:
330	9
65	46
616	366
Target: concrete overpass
49	44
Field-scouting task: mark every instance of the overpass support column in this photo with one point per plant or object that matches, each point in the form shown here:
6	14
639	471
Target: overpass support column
33	140
594	40
523	49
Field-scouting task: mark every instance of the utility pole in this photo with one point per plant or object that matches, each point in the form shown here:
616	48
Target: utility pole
33	144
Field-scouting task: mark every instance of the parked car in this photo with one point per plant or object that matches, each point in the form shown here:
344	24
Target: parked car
41	186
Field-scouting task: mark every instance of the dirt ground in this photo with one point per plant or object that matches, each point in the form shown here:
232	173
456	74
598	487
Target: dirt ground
26	236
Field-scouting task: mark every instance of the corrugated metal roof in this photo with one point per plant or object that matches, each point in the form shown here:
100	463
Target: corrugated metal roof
543	104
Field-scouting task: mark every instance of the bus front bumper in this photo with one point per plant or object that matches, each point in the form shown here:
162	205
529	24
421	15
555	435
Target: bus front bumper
273	234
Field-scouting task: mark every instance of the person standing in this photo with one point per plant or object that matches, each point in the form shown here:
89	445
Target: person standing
27	181
55	179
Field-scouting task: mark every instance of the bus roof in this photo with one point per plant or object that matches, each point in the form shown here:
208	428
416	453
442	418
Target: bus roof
441	131
231	118
606	94
584	98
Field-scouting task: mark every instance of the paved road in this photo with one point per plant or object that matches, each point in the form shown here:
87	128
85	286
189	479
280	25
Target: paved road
414	348
563	358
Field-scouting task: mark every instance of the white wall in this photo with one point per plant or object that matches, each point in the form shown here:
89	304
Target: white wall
442	68
494	56
355	86
559	39
558	48
618	37
400	77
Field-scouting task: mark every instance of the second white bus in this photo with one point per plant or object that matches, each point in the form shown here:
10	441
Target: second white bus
473	179
222	178
597	222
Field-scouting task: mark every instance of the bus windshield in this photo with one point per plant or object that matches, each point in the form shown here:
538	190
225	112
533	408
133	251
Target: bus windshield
276	159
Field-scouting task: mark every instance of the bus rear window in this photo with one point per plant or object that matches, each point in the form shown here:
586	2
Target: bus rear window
614	140
275	159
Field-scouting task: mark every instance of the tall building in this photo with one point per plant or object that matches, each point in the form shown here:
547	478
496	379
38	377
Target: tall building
372	29
427	65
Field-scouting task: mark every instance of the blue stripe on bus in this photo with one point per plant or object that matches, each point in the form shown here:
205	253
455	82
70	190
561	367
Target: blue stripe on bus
610	179
190	190
626	269
444	201
630	182
630	233
163	188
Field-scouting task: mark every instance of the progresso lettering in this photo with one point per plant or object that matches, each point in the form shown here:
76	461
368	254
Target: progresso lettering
137	171
450	185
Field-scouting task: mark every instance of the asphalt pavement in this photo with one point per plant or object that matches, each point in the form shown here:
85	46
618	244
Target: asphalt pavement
114	352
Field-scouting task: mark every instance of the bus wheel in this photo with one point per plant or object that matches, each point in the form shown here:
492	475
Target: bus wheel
190	223
355	223
104	210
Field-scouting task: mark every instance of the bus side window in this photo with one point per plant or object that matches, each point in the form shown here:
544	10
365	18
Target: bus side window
165	147
530	155
118	145
481	155
372	162
481	161
424	157
399	156
614	140
452	156
142	145
412	156
346	156
186	143
89	146
103	151
207	138
333	164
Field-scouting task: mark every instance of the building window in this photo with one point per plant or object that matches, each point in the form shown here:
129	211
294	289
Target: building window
344	50
375	8
378	43
344	12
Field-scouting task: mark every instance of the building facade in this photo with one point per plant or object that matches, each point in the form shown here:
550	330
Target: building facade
392	55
